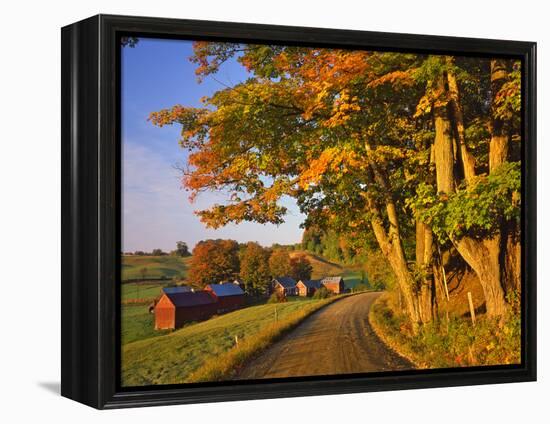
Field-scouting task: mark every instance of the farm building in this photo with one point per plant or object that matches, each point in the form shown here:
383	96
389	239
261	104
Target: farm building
177	289
169	290
229	296
308	287
285	286
239	283
174	309
334	284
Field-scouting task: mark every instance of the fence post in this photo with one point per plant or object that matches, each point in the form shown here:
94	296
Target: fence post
444	274
472	312
236	340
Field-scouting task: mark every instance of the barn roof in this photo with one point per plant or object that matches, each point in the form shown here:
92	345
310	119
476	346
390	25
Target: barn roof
286	282
186	299
225	289
178	289
311	284
329	280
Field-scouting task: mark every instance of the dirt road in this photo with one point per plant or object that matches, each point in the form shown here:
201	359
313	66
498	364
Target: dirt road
336	340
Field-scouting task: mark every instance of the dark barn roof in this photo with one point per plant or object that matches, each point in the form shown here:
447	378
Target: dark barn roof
187	299
226	289
311	284
178	289
286	282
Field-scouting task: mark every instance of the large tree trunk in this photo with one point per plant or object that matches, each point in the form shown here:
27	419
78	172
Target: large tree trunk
467	160
443	146
511	258
500	126
427	302
484	258
482	255
390	241
393	251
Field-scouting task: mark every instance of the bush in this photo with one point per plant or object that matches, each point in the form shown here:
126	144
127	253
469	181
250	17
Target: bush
453	343
360	287
277	297
322	293
378	285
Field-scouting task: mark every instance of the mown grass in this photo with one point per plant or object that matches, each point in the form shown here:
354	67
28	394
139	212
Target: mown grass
146	291
321	266
324	268
227	365
353	277
452	343
137	324
207	351
157	267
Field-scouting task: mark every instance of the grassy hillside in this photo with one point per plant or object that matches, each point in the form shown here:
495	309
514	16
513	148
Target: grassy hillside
157	267
321	266
137	323
172	358
147	291
325	268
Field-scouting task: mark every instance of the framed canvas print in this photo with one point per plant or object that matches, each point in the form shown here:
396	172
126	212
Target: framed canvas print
255	211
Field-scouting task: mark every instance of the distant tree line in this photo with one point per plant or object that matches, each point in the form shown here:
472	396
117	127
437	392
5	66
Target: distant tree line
181	250
214	261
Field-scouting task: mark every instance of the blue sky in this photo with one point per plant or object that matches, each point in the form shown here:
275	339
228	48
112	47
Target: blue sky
157	74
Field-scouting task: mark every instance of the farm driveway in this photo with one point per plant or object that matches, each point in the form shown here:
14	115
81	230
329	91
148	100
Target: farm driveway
336	340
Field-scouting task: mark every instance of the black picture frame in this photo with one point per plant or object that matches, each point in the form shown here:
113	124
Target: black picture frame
91	202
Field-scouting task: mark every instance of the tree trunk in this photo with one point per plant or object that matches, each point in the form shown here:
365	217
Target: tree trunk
500	126
390	242
482	255
443	146
466	158
427	304
511	258
395	255
484	258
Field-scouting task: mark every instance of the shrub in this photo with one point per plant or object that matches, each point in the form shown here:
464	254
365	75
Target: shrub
277	297
360	287
321	293
378	285
452	343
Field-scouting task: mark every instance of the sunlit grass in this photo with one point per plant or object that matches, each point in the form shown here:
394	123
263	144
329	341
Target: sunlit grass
178	356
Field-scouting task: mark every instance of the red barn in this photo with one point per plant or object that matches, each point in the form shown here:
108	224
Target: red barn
229	296
285	286
334	284
308	287
175	309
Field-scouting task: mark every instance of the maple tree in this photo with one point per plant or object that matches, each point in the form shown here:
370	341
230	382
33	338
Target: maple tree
382	147
254	269
280	264
214	261
301	268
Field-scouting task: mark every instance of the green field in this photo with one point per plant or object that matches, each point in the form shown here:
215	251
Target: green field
352	277
184	350
147	290
171	358
156	267
325	268
137	323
